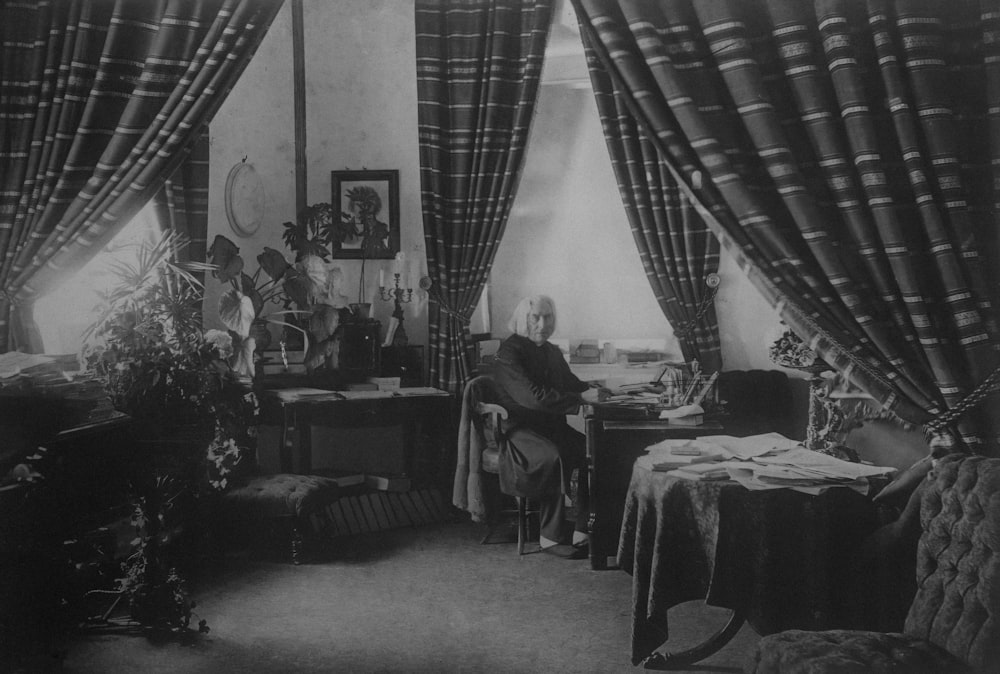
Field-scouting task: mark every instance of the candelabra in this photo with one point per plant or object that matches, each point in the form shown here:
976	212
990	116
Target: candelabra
396	335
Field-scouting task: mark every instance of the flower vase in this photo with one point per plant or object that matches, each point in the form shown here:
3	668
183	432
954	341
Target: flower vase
260	333
360	311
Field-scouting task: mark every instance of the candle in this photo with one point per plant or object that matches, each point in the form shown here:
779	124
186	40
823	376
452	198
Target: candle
381	277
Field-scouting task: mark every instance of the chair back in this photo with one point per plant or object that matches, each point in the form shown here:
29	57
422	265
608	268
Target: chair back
957	604
478	448
490	416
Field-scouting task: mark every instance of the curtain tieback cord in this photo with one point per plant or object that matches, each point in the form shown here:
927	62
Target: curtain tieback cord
445	307
712	281
948	417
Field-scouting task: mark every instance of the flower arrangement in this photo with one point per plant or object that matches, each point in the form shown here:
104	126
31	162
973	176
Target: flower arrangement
788	350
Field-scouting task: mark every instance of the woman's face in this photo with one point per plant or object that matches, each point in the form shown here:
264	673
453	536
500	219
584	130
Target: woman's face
541	322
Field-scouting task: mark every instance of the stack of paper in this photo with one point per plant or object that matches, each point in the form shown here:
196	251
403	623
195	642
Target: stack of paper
768	461
702	471
685	415
14	363
290	395
753	445
805	470
670	454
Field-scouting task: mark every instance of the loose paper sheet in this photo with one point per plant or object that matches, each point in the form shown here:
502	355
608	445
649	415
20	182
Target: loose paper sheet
824	464
753	445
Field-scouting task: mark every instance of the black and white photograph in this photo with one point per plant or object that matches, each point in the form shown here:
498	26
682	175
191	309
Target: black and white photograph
517	336
368	203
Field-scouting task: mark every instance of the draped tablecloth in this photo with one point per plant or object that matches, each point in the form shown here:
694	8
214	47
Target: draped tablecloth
779	555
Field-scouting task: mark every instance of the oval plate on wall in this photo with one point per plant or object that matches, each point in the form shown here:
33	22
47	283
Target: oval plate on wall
245	199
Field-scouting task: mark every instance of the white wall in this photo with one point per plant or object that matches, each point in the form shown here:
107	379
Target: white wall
256	122
361	113
567	235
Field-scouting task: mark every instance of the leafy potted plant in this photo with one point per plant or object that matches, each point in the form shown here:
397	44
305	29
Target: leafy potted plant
176	383
308	285
319	231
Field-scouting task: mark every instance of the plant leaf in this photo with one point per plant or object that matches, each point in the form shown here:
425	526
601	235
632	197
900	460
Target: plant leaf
297	287
323	322
225	255
250	290
244	356
236	312
273	263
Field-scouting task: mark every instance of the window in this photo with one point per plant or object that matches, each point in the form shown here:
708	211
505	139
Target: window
64	314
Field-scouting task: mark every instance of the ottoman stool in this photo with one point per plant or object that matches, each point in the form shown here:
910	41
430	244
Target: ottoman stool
283	499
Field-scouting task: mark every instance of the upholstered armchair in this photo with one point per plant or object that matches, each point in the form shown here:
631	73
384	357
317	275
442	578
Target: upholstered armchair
953	624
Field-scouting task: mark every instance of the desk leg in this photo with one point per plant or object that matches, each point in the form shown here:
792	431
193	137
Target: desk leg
598	556
667	661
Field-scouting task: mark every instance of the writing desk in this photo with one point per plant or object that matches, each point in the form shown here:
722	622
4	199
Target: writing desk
613	445
421	412
778	558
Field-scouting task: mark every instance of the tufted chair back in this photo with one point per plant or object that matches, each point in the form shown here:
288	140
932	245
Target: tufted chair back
957	605
953	624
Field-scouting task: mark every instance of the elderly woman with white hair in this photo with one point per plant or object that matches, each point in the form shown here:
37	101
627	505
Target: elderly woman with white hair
538	390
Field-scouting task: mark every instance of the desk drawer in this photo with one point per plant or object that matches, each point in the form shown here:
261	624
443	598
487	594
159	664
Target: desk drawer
376	449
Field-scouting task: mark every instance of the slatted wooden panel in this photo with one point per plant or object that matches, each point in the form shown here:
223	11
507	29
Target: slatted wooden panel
380	511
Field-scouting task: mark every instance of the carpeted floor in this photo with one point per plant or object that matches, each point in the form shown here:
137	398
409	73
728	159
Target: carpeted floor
415	599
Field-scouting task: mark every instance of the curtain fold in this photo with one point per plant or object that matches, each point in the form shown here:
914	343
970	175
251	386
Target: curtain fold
478	69
100	100
181	205
678	251
846	154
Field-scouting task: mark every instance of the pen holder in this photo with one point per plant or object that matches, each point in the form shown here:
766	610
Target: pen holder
685	388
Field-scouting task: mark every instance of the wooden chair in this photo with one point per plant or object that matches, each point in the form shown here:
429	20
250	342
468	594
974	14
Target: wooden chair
486	441
492	416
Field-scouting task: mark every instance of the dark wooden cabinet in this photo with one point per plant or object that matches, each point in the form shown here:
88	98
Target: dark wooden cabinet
360	353
405	362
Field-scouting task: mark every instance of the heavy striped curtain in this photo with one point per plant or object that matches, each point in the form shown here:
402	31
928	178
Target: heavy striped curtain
847	153
478	68
99	99
677	249
181	205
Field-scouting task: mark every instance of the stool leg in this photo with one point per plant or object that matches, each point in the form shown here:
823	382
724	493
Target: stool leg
296	544
522	523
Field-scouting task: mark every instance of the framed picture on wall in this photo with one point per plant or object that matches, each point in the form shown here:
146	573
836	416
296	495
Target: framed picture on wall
368	204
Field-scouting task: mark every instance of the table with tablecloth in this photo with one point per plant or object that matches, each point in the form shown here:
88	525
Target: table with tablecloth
781	557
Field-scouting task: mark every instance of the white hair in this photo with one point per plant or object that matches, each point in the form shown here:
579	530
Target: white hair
518	323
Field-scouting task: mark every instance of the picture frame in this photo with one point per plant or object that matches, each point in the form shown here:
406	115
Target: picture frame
368	203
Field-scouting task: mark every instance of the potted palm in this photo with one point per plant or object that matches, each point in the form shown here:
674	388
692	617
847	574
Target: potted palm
175	382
